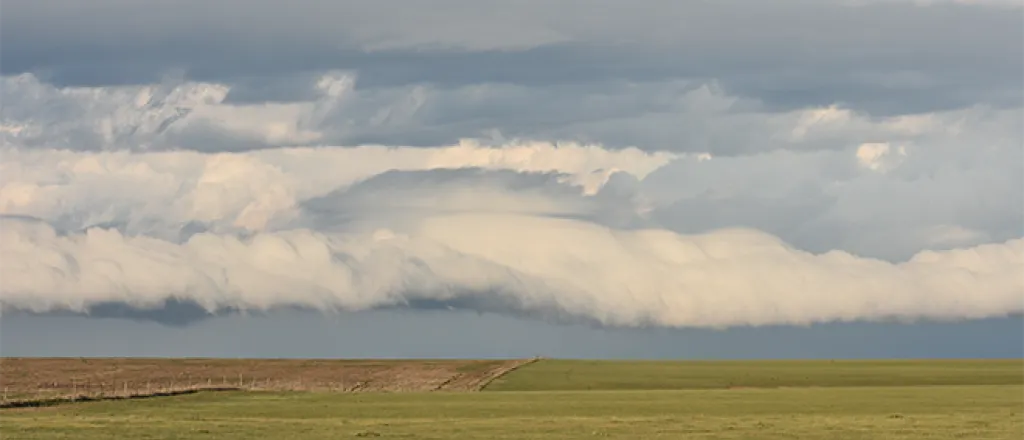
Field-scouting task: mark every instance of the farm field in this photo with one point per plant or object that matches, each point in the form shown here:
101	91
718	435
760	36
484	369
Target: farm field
596	399
41	378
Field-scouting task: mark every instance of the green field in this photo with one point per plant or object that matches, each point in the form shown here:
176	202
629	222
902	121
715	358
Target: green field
574	375
546	400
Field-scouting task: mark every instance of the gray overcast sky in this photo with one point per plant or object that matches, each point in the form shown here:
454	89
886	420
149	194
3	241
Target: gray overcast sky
883	57
654	164
419	334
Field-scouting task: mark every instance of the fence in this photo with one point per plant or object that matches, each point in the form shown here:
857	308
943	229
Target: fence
86	390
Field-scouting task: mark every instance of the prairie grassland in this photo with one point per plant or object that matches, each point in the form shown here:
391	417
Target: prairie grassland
945	399
925	412
567	375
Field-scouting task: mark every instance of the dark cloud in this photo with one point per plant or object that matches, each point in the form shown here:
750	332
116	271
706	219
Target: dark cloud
171	312
885	58
434	73
180	313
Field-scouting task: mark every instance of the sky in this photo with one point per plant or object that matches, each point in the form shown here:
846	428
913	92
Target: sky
448	178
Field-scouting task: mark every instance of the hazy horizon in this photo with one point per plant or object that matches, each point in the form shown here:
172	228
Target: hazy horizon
448	334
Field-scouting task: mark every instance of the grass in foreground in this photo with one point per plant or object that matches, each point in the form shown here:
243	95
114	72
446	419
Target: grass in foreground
933	412
550	375
703	400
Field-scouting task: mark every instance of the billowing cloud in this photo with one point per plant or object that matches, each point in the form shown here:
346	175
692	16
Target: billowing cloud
568	232
161	193
510	264
675	163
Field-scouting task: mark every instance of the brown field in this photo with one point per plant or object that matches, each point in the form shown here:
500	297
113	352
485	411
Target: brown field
49	378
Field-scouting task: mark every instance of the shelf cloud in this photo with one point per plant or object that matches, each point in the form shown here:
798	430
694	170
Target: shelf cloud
556	236
707	164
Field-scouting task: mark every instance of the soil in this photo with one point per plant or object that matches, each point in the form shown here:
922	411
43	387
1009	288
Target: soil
44	378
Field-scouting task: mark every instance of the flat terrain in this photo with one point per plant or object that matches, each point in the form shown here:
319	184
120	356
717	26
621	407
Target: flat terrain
28	378
703	400
566	375
937	412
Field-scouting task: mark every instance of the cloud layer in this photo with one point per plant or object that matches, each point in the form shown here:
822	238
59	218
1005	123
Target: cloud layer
672	164
566	233
510	264
880	56
679	115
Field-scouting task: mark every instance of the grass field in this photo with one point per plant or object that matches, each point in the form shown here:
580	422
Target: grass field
623	400
566	375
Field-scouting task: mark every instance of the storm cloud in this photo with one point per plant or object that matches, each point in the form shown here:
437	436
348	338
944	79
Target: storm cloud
671	164
881	56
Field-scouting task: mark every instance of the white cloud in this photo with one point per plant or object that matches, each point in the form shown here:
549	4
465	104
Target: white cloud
879	156
145	193
158	192
511	264
347	228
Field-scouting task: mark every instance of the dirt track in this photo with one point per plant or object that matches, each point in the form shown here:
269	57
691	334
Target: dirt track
40	378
